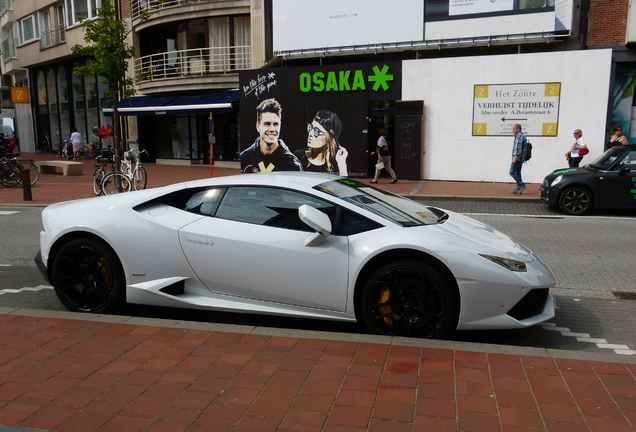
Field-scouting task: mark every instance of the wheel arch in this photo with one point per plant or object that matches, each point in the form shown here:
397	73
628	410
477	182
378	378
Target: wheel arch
397	255
60	242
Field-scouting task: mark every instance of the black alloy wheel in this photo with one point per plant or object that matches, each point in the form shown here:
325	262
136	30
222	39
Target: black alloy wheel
88	277
409	298
576	200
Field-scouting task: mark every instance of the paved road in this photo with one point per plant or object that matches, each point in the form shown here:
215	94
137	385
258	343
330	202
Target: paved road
592	258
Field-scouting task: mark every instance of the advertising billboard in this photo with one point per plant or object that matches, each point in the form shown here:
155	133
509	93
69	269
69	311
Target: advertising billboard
300	26
313	118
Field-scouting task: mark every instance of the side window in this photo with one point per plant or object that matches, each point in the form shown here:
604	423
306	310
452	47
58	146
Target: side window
204	202
630	161
270	207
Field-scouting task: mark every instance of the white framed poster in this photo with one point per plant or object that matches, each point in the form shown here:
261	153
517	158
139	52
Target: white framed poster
535	106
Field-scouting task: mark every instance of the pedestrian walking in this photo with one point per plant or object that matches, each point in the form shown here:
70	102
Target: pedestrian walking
384	158
519	149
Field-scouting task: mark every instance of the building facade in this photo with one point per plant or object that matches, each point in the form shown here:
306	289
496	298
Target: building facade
193	57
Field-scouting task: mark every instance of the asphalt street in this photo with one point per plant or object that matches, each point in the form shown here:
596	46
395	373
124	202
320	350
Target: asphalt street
591	257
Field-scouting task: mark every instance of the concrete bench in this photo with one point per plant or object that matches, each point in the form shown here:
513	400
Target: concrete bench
69	168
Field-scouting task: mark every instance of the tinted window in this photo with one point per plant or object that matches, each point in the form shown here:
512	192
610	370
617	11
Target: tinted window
629	161
270	207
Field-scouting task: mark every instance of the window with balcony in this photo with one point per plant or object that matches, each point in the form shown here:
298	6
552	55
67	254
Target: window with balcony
5	5
196	47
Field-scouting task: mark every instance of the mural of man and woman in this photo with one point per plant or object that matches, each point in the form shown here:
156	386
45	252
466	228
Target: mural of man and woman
269	152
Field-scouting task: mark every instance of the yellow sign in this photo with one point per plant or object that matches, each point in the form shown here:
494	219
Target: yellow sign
20	94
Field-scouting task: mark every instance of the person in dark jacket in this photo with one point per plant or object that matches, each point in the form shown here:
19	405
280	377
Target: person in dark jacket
269	152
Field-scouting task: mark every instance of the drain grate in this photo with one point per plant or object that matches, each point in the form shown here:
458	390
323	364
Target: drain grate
625	295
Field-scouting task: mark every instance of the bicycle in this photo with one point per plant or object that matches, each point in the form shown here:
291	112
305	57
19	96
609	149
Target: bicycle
116	182
100	173
128	178
138	175
11	168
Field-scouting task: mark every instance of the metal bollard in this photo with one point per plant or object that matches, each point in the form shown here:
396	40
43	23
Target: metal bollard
25	175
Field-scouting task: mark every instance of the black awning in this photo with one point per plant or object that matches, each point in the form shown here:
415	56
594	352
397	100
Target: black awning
218	102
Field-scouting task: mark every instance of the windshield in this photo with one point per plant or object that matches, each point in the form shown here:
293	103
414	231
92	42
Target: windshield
608	159
392	207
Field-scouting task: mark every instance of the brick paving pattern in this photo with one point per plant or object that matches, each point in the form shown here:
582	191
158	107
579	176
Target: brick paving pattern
75	375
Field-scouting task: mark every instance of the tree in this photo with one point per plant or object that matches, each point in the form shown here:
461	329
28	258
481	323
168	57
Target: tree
109	51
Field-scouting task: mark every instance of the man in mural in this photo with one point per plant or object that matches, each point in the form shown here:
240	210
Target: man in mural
519	150
269	152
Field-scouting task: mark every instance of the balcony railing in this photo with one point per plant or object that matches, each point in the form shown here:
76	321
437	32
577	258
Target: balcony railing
200	61
53	37
5	5
150	6
8	49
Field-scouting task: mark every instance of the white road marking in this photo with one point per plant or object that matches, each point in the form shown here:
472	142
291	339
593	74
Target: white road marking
14	291
7	212
584	337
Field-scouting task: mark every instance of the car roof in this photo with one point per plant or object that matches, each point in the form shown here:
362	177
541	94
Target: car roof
296	179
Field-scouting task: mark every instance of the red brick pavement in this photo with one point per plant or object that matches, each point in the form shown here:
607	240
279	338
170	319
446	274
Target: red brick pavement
73	375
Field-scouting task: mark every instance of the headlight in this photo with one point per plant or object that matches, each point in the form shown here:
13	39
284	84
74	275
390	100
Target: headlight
510	264
556	181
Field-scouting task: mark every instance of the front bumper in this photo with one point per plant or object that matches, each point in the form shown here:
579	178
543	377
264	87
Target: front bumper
549	195
39	262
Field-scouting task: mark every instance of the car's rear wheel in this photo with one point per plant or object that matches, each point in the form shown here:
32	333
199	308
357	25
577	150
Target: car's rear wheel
88	277
409	298
576	200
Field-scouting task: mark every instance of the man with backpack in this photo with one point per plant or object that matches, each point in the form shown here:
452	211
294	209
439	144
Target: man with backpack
519	150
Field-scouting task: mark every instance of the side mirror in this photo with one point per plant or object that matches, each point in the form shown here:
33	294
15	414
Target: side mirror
624	170
316	220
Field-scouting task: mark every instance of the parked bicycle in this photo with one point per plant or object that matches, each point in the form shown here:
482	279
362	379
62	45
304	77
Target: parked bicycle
128	178
138	174
11	168
101	171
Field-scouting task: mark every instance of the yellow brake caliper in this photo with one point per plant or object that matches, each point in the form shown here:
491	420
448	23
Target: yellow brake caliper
385	294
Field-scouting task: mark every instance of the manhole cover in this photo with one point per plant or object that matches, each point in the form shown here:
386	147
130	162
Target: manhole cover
625	295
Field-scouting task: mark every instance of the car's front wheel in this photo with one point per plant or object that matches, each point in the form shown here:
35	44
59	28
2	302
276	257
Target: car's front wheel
576	200
88	277
409	298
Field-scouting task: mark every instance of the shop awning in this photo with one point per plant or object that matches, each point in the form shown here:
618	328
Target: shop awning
218	102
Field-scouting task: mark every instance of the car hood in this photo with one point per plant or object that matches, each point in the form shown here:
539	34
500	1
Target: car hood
586	170
464	233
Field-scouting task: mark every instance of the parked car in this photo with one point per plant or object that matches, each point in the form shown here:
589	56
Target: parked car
293	244
608	182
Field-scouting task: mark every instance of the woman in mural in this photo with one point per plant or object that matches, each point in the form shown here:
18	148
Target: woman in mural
323	153
617	139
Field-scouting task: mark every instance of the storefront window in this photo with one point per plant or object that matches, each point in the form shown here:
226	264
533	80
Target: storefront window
80	103
54	115
92	116
62	86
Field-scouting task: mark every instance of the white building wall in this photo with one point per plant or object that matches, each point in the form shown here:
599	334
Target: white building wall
447	85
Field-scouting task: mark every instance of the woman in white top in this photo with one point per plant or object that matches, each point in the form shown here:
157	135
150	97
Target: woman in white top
579	144
76	141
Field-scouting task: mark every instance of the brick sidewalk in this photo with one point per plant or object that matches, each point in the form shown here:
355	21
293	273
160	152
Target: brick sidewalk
53	188
75	375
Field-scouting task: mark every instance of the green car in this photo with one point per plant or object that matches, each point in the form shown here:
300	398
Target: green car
607	182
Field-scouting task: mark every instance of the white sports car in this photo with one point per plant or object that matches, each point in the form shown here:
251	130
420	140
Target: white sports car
294	244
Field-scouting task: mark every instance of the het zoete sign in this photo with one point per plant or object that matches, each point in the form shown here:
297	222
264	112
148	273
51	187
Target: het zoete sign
497	107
